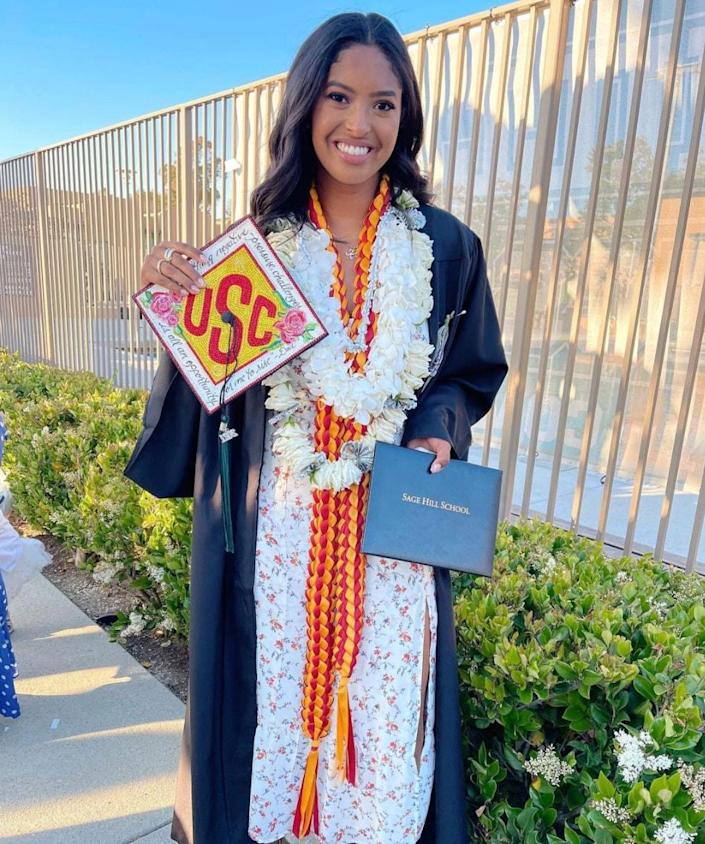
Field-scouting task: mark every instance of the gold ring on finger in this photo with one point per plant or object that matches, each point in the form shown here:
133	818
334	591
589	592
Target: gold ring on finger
168	252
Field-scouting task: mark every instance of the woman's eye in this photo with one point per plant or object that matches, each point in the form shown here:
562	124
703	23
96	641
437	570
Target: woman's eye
385	106
336	97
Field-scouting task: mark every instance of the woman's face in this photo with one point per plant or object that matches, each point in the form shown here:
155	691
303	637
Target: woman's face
356	119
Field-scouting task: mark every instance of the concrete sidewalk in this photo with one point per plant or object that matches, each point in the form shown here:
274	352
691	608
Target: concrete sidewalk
92	758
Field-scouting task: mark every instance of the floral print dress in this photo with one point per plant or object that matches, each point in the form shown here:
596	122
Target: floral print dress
9	705
389	803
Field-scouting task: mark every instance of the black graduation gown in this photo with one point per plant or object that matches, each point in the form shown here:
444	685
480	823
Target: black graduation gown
177	456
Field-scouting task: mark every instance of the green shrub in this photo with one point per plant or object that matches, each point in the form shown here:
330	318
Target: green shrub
572	664
71	435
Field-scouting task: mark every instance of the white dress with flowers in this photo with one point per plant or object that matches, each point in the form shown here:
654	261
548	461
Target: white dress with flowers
389	803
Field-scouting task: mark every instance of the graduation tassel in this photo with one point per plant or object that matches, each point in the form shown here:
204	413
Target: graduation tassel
307	807
344	739
226	433
224	449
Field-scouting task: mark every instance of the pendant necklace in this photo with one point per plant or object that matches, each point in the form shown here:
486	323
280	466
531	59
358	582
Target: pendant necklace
351	251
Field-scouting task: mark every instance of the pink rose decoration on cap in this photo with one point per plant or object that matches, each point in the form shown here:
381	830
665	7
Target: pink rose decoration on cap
166	307
161	304
292	326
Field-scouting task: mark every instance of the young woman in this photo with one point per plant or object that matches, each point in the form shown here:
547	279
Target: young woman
323	684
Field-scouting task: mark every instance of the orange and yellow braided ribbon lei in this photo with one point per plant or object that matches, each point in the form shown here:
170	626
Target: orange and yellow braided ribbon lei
335	585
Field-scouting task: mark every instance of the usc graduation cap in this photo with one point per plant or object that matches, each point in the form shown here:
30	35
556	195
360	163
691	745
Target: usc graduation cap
250	318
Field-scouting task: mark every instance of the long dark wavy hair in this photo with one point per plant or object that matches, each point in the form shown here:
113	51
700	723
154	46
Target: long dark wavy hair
293	161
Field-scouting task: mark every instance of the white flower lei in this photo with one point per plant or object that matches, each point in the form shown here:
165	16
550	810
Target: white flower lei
397	363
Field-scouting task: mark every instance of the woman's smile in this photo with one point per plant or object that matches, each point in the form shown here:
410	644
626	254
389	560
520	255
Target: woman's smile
352	152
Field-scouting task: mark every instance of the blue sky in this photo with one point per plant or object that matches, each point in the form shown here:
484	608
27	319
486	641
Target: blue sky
70	67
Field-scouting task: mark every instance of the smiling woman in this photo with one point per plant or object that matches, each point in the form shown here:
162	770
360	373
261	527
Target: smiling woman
323	682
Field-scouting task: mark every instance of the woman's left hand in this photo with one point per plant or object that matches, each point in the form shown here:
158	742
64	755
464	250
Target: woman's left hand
440	448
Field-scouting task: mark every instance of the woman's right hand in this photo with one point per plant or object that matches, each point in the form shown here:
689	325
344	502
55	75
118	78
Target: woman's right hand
175	274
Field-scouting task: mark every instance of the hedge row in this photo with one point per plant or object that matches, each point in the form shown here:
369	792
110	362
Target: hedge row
70	438
582	676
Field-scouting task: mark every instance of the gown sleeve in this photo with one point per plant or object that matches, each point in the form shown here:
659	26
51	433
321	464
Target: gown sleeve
163	461
473	368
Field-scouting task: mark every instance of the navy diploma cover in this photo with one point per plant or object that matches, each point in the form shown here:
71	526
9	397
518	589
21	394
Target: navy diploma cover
448	519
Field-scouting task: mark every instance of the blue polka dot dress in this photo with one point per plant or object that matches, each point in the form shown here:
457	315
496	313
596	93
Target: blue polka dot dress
9	705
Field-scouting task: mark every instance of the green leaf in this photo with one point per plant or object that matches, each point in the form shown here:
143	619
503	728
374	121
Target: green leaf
604	787
570	836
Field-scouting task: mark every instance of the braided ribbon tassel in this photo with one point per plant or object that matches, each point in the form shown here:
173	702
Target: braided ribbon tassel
335	585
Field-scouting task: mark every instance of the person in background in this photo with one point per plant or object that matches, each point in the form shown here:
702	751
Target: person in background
20	559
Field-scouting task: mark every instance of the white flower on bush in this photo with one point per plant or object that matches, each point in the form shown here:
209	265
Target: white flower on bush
622	577
632	757
611	811
167	624
694	783
673	833
542	562
104	572
136	625
661	609
547	764
156	573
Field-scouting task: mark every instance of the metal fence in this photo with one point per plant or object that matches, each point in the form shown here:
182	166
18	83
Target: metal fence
567	134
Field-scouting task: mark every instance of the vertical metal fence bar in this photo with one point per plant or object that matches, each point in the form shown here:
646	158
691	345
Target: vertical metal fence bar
28	244
526	74
214	159
26	235
224	222
9	228
166	198
455	120
76	268
59	275
679	438
264	147
582	38
99	252
436	100
130	252
536	217
476	104
90	247
498	110
15	252
420	57
202	150
123	200
142	234
244	141
664	325
66	276
254	134
112	229
235	151
83	246
52	289
698	519
184	152
613	261
47	334
597	160
639	276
